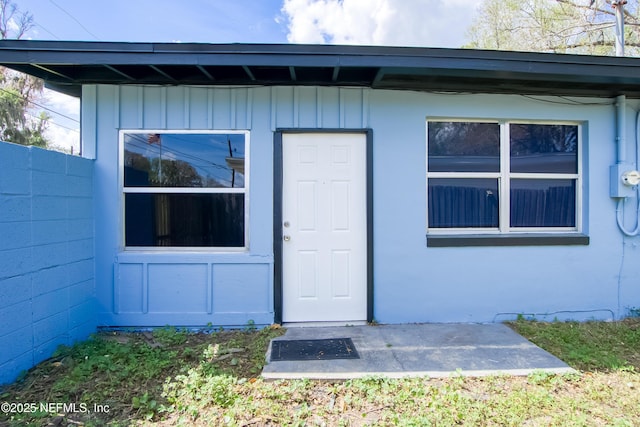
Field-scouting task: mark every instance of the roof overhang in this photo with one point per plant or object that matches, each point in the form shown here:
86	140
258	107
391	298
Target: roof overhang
66	66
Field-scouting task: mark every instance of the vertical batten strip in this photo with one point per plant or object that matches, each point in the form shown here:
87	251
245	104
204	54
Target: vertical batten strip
210	101
341	102
145	288
242	111
273	109
249	107
296	106
186	120
116	287
318	107
163	108
209	288
140	96
365	108
116	107
233	124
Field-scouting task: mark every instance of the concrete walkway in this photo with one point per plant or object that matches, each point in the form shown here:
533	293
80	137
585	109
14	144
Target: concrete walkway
433	350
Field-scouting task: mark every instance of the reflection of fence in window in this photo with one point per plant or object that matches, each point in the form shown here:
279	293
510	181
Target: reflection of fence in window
185	220
207	220
163	220
551	207
460	207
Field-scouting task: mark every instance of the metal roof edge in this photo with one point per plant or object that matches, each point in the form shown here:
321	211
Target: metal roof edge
71	64
160	48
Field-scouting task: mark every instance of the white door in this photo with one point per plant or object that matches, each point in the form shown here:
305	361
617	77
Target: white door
324	248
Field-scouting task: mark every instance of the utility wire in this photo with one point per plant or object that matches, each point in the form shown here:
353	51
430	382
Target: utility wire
54	123
63	126
53	35
37	24
567	101
40	105
72	17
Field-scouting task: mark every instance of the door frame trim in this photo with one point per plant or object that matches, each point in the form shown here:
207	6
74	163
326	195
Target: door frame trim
278	174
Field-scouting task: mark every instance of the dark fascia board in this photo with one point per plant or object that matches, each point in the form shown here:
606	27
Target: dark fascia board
588	75
98	53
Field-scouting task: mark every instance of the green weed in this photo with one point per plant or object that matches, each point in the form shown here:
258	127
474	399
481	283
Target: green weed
175	377
587	346
146	405
250	326
127	371
633	312
171	336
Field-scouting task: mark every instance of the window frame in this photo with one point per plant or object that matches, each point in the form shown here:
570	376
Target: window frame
182	190
504	177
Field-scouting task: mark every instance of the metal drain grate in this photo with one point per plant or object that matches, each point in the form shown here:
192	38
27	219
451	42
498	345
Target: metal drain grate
324	349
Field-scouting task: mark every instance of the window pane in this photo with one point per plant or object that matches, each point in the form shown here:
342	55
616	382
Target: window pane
543	203
544	148
463	202
464	147
184	160
215	220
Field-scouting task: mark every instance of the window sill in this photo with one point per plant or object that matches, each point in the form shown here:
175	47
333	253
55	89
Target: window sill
464	240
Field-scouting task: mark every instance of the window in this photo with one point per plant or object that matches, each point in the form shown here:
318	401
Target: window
502	177
184	189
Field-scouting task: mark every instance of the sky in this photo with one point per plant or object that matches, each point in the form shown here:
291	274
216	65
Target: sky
429	23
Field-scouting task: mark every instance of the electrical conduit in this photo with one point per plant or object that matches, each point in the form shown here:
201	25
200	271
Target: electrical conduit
622	156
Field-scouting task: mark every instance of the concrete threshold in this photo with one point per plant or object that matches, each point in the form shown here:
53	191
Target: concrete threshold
419	350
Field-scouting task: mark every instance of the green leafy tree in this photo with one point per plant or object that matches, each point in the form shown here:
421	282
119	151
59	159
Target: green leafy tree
558	26
19	123
174	173
168	173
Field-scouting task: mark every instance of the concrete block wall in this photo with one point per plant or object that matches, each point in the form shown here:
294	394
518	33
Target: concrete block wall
47	286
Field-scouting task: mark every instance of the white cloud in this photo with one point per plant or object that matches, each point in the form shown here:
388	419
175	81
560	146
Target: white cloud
64	127
12	26
429	23
63	139
67	105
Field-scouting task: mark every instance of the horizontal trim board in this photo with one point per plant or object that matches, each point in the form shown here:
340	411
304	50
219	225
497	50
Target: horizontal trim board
183	190
443	241
207	249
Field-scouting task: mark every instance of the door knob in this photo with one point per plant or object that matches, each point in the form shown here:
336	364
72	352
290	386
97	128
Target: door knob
287	238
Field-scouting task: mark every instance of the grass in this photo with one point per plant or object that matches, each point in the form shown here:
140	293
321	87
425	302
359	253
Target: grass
171	377
588	346
126	374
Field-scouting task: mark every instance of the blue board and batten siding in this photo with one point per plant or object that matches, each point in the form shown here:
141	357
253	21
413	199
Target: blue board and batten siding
138	288
412	282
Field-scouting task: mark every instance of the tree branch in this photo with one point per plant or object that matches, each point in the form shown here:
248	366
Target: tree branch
579	6
598	43
8	12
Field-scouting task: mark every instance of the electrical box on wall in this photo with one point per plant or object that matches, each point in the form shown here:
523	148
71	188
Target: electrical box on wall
623	180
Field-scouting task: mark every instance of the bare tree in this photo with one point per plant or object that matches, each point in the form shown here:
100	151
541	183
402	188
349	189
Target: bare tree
562	26
13	23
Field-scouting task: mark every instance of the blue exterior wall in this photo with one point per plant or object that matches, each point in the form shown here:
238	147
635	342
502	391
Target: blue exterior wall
412	282
47	288
484	284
